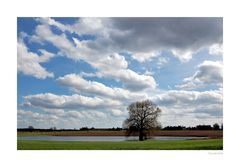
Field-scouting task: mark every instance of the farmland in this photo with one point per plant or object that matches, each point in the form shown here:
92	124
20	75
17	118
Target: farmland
195	133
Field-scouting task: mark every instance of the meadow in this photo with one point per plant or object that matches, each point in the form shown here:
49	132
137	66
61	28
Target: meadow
210	144
215	141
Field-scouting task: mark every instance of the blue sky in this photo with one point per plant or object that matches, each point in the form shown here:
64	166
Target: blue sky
75	72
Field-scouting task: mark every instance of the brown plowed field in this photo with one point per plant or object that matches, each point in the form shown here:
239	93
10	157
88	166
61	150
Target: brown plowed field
194	133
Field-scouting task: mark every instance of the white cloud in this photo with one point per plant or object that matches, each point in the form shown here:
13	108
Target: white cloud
45	56
190	108
143	36
112	65
52	101
75	114
189	119
148	73
63	119
161	62
29	62
51	111
208	73
81	85
29	118
216	49
145	56
81	26
44	33
187	108
92	115
118	113
132	80
185	98
182	55
112	62
115	36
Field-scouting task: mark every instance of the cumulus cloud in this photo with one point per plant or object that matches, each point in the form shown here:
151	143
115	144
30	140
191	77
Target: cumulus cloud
50	111
161	61
29	62
145	56
208	73
183	55
144	39
52	101
190	108
132	80
92	115
185	98
27	118
189	119
112	62
143	36
81	85
216	49
149	72
179	107
112	65
44	33
118	113
184	36
59	119
81	26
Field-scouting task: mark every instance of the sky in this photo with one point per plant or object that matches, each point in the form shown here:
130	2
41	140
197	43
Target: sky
77	72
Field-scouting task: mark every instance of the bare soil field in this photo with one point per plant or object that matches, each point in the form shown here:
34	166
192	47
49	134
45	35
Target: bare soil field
213	134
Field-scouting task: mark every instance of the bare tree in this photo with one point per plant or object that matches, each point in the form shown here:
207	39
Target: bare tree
142	118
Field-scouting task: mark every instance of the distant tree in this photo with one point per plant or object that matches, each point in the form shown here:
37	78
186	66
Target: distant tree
216	126
142	118
204	127
174	128
53	128
118	129
84	128
221	126
30	127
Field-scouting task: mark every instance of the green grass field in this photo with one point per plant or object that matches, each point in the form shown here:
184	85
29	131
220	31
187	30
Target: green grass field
210	144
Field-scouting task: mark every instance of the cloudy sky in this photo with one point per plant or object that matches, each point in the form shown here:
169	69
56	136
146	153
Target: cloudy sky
75	72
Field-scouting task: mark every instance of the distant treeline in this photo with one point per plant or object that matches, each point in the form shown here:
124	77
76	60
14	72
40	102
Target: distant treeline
198	127
31	128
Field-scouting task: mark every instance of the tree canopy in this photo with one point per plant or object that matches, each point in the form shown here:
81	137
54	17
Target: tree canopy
142	118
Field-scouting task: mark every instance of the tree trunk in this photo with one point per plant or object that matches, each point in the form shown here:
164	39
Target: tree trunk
141	135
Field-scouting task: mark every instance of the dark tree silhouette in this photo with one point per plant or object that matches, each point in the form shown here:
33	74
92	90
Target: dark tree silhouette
142	118
30	127
216	126
221	126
